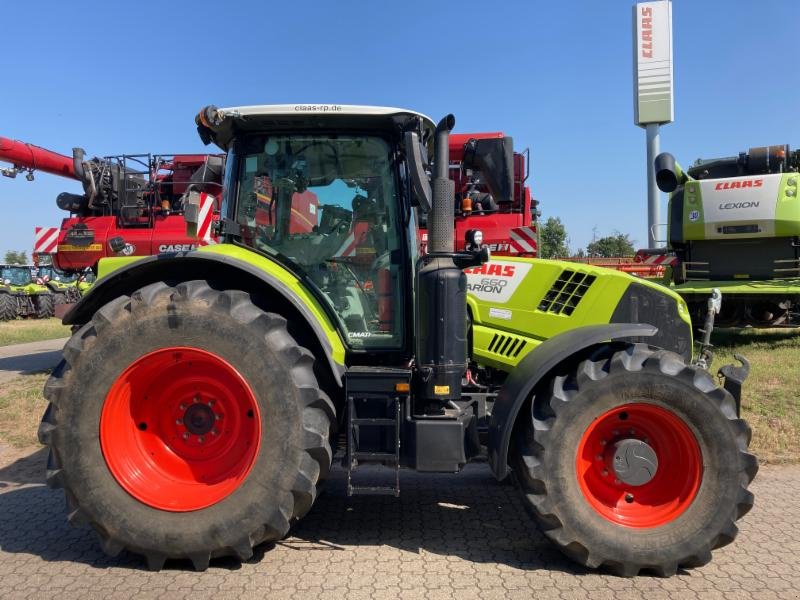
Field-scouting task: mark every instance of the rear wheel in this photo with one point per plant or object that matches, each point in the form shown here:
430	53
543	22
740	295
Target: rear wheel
8	307
213	432
634	461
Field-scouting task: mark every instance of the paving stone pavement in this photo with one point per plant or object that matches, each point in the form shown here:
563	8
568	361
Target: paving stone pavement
458	536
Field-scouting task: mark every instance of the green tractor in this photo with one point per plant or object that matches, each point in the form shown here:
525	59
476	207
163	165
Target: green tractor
734	224
21	296
64	286
204	394
85	281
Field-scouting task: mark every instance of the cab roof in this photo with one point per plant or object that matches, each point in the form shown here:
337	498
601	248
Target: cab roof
222	123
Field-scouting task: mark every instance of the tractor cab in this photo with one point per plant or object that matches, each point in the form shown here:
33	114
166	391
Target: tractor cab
333	205
15	275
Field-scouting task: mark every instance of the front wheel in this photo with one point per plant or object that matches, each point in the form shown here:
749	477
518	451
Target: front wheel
185	422
634	460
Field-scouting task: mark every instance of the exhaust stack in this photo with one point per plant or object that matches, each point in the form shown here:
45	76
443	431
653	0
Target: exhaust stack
441	294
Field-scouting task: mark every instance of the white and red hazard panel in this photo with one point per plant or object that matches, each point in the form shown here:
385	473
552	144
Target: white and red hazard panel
523	240
45	240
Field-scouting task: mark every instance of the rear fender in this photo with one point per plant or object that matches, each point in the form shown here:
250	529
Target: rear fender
534	368
283	292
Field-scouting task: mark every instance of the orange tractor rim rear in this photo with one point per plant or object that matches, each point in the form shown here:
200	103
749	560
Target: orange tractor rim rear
180	429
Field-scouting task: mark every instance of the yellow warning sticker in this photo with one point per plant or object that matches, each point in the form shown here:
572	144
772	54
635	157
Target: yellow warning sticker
441	390
89	248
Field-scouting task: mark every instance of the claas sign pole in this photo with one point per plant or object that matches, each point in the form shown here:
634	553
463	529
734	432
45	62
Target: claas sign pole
652	89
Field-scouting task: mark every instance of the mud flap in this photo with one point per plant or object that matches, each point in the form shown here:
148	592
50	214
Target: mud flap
733	377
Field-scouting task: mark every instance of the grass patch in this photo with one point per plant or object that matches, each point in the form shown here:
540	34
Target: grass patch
771	395
770	403
21	408
32	330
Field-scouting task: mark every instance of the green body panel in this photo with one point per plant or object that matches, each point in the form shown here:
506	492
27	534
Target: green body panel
787	211
772	287
692	201
776	208
505	300
507	328
107	266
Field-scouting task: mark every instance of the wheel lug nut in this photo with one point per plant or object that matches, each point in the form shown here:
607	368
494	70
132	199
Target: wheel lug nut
196	399
182	407
599	457
211	403
186	435
617	482
615	432
217	417
628	498
603	442
178	421
604	472
200	439
214	432
632	431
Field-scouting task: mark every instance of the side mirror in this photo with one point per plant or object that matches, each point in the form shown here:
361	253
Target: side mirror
420	185
494	158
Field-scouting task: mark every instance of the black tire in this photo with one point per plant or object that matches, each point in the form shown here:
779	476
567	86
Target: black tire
544	461
45	307
293	458
8	307
59	298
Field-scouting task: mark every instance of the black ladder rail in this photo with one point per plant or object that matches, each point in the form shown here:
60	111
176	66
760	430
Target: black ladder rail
354	455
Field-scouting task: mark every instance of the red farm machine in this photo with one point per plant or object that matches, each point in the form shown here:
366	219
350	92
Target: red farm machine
131	205
491	199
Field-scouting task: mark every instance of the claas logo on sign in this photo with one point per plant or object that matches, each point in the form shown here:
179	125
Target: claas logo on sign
647	32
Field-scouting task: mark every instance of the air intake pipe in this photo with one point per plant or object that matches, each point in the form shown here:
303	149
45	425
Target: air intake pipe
669	174
441	341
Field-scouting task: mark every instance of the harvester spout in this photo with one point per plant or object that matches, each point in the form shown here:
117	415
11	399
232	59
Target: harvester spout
669	174
30	158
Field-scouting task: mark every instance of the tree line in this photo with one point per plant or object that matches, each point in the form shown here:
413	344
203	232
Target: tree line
554	243
16	258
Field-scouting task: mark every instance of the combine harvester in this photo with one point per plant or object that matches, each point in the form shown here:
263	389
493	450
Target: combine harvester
492	205
196	411
734	224
131	206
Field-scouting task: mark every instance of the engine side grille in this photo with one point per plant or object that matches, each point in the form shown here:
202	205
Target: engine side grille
506	345
566	293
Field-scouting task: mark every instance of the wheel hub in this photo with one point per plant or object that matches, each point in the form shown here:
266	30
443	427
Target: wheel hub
199	419
634	462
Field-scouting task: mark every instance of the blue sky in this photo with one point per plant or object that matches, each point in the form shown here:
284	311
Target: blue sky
554	75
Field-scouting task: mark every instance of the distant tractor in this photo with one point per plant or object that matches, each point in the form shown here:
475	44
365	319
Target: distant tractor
734	224
21	296
64	286
201	398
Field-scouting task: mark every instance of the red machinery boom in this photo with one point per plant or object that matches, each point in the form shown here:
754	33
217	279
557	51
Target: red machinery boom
30	158
130	205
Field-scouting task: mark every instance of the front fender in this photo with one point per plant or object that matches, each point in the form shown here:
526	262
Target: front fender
533	368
